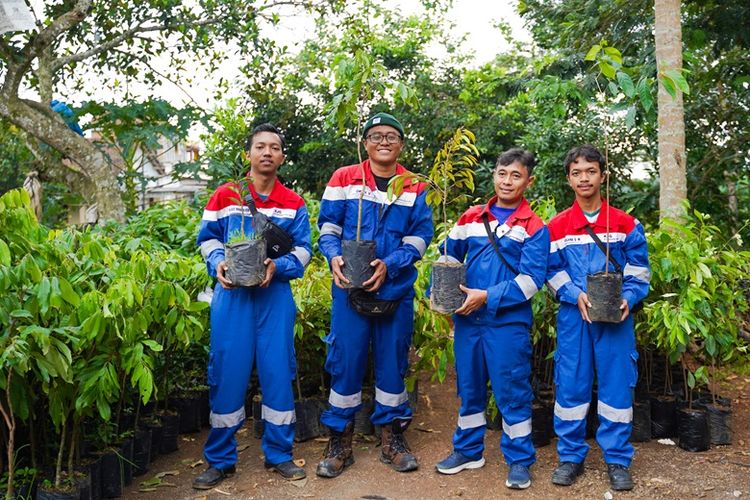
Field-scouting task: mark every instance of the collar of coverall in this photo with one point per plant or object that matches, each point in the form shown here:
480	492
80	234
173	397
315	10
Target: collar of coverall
580	220
275	195
370	177
523	211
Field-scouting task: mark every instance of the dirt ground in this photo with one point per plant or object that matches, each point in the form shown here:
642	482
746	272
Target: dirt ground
660	471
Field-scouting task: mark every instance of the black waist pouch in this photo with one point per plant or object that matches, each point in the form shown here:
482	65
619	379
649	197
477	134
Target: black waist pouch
366	304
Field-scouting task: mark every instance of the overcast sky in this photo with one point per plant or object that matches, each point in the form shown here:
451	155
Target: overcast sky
477	18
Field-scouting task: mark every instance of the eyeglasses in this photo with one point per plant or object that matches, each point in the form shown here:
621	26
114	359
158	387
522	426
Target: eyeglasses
377	137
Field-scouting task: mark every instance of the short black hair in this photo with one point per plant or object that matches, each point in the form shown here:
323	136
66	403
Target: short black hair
587	151
525	158
265	127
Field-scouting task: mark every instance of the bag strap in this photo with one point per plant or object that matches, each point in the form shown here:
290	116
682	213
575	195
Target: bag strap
491	237
601	246
249	200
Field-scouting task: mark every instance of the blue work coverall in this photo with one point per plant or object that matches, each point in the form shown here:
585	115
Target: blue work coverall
253	326
493	342
402	229
607	348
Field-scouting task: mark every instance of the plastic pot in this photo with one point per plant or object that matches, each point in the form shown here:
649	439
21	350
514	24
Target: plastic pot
156	429
72	493
693	430
605	294
308	417
169	435
414	396
245	262
493	424
445	296
719	423
362	422
189	409
663	417
141	452
357	256
126	461
641	431
94	467
205	408
540	424
84	486
258	416
111	478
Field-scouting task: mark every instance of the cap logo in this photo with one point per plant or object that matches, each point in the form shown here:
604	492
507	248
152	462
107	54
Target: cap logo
376	120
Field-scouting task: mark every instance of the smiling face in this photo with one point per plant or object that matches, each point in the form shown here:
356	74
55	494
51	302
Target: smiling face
510	183
266	153
585	177
383	153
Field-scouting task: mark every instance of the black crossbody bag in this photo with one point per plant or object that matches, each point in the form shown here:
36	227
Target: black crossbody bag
618	268
278	241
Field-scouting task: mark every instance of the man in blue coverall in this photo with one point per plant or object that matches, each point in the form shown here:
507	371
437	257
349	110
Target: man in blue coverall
586	348
491	338
253	325
402	229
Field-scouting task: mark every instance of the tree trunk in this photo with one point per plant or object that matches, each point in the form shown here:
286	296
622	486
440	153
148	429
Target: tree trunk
672	176
102	186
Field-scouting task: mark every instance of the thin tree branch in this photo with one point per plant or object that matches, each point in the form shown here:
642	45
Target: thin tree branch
118	40
6	50
166	77
32	49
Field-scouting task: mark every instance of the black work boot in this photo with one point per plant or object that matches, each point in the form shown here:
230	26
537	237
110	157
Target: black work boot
338	454
566	473
394	449
288	470
619	477
211	477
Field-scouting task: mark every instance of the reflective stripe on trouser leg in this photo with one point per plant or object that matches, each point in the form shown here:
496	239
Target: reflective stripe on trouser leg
574	374
471	382
507	352
617	373
391	341
346	361
276	370
229	365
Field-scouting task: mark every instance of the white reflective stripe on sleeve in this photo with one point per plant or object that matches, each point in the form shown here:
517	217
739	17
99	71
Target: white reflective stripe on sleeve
340	401
642	273
576	413
209	246
527	285
518	430
416	242
277	417
390	399
210	215
222	420
302	255
472	421
330	228
334	193
449	259
558	280
624	416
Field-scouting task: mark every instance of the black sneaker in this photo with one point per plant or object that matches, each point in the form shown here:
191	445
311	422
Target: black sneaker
288	470
211	477
619	477
566	473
